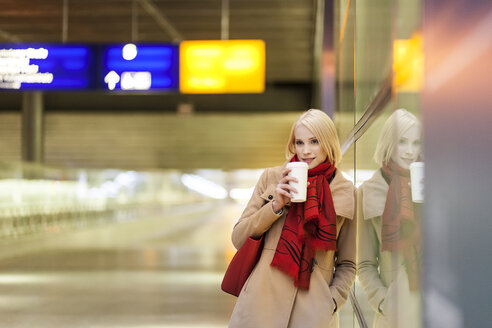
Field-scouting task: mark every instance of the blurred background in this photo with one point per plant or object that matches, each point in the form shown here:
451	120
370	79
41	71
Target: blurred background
116	206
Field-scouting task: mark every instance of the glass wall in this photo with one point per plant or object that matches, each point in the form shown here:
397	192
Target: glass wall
379	69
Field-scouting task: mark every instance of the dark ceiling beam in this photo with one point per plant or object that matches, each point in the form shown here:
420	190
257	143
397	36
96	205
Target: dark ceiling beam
316	53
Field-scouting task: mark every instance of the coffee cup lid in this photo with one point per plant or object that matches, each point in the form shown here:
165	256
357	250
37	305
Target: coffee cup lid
296	164
417	164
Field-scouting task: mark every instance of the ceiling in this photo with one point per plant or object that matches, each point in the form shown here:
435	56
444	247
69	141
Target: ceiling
286	26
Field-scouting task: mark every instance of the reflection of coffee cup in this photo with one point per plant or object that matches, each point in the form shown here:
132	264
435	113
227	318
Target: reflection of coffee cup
299	170
417	181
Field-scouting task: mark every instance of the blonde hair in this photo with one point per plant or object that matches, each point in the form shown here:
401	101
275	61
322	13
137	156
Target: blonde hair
323	128
395	126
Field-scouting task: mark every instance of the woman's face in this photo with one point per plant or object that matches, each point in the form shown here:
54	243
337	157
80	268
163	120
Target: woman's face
308	148
408	148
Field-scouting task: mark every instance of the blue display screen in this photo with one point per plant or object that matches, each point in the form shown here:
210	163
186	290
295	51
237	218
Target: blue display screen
140	67
123	67
47	67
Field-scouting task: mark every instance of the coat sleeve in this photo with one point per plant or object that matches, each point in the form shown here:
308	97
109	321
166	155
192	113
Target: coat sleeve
258	216
345	261
368	255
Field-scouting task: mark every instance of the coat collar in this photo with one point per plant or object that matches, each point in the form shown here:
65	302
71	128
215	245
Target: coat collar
374	192
343	193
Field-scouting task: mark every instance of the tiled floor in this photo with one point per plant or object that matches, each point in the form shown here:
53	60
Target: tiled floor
171	281
156	272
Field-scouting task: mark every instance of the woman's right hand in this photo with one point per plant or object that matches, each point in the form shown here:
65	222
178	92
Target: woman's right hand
282	191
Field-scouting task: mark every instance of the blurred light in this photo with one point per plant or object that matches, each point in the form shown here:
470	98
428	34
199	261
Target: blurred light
408	64
127	179
109	189
95	192
242	59
21	279
136	80
241	193
204	186
40	53
233	66
468	47
82	185
129	51
111	79
44	78
362	175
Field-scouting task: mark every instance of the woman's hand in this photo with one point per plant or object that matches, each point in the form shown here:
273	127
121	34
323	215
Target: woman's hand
282	192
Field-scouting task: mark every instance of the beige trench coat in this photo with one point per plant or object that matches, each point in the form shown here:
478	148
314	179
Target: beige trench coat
269	297
382	274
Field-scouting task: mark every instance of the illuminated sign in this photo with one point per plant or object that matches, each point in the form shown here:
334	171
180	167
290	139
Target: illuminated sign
408	64
232	66
45	66
140	67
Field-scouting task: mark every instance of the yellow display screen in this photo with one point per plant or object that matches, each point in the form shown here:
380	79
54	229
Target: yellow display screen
408	64
222	66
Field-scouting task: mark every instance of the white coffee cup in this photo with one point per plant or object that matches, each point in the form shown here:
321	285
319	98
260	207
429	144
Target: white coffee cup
299	170
417	181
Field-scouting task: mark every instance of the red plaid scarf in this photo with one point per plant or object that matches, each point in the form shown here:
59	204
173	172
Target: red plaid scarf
308	227
400	226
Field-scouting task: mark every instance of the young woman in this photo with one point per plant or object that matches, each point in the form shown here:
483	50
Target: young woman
307	265
389	228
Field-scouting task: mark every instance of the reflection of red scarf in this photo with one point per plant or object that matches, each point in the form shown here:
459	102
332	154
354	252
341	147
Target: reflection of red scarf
400	226
308	227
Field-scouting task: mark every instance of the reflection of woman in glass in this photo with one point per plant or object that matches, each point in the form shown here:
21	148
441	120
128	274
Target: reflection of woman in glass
307	265
389	233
